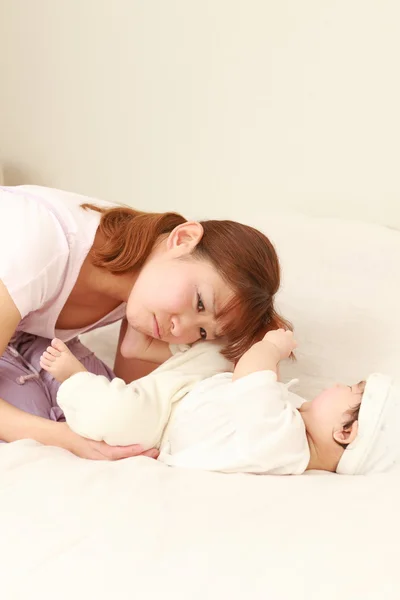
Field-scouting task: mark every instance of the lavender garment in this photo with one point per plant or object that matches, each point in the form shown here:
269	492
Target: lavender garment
25	385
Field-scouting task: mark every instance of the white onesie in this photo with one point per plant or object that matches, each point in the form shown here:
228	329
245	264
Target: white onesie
192	410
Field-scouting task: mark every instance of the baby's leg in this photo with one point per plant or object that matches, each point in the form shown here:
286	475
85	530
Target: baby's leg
59	361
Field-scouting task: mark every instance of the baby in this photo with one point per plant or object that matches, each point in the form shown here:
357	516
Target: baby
201	415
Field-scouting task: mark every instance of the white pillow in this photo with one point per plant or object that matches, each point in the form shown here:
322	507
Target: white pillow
341	290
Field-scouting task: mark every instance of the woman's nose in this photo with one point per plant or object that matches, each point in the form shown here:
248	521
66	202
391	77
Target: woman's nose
185	328
176	326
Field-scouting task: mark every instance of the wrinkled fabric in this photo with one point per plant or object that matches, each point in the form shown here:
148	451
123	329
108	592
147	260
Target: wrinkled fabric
26	386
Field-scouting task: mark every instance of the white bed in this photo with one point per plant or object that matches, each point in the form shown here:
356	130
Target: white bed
136	529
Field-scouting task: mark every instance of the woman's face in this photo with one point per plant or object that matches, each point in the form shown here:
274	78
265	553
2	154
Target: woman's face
175	298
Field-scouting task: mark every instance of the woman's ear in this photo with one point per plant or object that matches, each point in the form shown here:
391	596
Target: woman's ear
185	237
346	436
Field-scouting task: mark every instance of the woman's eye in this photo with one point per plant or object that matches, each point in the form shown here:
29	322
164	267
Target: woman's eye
200	303
203	333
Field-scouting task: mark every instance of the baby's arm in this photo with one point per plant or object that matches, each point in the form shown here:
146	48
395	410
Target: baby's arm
266	354
118	413
112	411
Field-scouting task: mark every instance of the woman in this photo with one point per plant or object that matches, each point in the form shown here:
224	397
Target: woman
68	266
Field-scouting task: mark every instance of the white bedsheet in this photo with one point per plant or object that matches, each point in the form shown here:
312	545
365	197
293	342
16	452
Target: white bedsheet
74	529
136	529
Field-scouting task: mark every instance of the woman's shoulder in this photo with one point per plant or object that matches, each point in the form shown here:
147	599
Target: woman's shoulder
50	215
44	238
24	220
65	207
57	196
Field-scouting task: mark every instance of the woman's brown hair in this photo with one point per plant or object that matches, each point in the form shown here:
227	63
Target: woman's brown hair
243	256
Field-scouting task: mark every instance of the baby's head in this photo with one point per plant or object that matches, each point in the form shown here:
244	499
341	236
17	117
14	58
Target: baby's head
355	429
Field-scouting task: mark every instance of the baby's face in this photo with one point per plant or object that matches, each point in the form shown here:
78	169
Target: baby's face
328	409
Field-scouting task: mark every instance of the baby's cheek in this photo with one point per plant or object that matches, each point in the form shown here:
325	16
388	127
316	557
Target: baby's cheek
319	406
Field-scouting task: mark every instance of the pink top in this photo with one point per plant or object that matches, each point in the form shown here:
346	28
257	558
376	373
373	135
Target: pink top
44	238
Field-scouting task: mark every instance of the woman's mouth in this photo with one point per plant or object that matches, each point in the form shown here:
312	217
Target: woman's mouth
156	329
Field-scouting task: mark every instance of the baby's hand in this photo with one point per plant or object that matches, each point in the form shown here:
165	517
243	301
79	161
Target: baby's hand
283	340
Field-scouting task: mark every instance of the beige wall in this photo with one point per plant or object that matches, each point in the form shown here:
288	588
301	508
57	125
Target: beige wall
206	106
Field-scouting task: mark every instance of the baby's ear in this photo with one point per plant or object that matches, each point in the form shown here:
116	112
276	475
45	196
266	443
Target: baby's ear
346	436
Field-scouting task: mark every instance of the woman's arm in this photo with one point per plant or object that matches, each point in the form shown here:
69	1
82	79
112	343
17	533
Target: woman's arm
16	424
9	317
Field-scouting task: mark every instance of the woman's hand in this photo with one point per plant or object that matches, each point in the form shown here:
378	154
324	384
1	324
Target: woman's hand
93	450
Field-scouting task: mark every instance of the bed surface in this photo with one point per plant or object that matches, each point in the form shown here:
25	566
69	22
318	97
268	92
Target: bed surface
72	528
